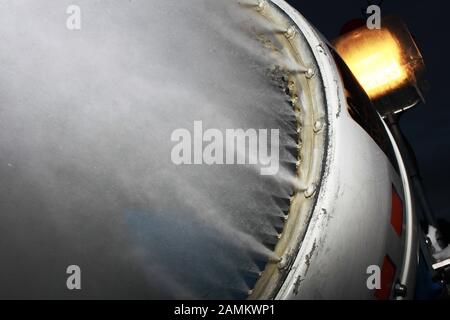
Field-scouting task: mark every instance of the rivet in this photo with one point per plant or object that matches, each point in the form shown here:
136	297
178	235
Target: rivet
261	5
310	73
309	192
290	32
282	264
318	126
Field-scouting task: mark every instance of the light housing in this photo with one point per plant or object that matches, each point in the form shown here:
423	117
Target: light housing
387	63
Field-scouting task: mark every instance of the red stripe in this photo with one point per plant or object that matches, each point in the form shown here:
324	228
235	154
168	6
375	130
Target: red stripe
397	212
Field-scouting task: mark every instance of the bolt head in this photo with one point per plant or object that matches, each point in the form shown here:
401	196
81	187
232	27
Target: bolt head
261	5
309	192
318	126
310	73
290	32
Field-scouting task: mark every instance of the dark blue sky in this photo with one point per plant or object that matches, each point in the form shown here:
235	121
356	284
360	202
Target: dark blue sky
427	126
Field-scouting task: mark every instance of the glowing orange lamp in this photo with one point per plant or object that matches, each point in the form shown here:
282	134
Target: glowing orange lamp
387	64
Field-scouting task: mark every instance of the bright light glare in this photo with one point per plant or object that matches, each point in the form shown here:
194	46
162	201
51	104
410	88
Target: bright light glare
375	58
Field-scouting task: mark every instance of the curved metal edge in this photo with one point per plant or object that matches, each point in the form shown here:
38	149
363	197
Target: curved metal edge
332	94
411	255
312	155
